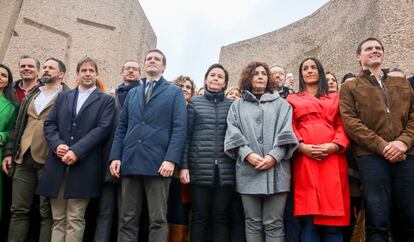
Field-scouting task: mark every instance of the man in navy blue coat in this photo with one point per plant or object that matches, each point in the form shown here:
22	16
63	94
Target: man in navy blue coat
75	129
147	146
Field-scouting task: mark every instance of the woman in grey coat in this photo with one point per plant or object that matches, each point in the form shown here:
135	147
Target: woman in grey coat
260	136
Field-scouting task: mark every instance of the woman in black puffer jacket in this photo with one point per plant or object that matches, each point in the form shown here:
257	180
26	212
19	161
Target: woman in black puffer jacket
206	167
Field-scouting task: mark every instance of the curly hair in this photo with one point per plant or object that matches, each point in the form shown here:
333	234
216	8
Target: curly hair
246	75
182	79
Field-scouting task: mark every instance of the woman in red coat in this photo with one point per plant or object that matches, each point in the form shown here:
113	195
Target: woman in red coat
320	179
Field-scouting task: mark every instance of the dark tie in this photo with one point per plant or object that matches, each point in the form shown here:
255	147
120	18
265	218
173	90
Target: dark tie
148	94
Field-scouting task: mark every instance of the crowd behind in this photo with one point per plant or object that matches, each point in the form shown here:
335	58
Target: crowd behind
163	161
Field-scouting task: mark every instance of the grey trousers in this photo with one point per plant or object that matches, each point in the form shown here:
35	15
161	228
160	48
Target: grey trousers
264	213
156	191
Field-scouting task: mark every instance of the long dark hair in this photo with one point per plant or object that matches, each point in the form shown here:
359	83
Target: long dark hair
9	91
322	83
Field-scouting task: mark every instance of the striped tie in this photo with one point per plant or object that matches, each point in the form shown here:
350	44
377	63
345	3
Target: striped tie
148	94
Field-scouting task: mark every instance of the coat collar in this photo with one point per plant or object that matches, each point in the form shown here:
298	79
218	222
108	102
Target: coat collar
370	77
72	99
161	85
212	96
266	97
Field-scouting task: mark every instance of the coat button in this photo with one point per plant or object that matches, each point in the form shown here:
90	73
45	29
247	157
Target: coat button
74	124
71	137
260	140
258	121
143	123
139	141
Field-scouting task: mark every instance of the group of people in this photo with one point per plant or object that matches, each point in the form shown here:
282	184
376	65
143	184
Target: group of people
257	162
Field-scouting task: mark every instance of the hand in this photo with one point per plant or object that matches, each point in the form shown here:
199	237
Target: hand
70	158
329	148
6	164
166	168
115	168
267	163
395	151
61	150
254	159
185	176
315	152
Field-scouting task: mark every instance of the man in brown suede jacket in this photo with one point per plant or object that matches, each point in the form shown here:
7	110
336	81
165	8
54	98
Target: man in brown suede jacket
377	111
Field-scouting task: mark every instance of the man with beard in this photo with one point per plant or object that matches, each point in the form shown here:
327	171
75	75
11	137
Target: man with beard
110	198
27	150
279	76
131	74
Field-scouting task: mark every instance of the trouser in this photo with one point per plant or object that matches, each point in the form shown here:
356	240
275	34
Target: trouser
25	179
177	210
210	203
292	225
109	202
237	227
318	233
387	185
68	217
156	191
264	213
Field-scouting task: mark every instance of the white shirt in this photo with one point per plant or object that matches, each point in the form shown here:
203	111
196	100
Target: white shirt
43	99
82	96
147	82
381	78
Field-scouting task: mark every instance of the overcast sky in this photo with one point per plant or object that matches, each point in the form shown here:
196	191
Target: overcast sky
191	32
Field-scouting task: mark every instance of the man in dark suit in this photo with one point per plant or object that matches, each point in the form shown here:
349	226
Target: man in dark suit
147	146
75	129
27	150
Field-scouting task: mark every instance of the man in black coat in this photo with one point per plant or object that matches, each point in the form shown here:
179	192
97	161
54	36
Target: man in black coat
75	129
110	199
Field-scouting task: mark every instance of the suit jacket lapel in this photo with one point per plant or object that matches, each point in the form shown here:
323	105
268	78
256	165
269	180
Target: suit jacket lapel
71	102
92	98
161	86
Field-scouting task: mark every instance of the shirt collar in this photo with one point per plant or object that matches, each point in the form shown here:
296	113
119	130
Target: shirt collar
86	91
57	89
155	81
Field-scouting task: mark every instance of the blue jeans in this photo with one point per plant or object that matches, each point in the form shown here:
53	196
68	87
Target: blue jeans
387	187
316	233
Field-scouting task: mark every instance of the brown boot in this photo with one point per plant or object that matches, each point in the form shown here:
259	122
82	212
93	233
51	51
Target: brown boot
178	233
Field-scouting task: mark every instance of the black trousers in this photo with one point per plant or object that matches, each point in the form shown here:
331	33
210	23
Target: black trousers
210	203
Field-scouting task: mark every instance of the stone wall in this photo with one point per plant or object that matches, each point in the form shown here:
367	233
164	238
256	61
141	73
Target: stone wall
106	30
332	34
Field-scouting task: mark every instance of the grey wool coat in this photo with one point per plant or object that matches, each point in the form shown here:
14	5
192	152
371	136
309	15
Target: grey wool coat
264	127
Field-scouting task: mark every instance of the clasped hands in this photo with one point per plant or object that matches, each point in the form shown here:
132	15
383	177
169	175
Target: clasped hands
318	152
395	151
66	154
261	163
